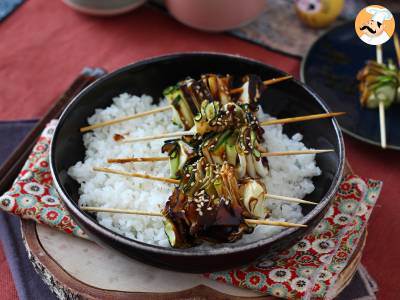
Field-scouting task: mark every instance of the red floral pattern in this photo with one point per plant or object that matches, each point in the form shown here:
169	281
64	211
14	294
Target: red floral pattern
33	195
307	270
310	268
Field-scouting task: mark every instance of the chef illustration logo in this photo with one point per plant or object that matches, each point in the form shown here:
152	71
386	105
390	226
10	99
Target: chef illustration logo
374	25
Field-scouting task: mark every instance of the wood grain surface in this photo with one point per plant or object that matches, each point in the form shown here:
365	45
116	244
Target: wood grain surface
67	286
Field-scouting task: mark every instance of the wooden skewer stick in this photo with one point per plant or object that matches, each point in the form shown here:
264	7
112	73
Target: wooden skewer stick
382	122
379	58
302	118
397	47
157	136
137	159
265	123
123	119
157	214
290	199
273	223
139	175
122	211
276	80
266	82
165	158
296	152
168	107
175	181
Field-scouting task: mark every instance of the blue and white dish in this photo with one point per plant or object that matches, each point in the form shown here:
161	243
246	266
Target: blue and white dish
330	68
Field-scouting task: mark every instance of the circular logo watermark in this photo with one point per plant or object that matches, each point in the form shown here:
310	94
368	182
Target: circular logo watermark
374	25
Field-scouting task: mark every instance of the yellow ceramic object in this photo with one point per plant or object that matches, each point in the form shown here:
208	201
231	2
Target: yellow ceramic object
318	13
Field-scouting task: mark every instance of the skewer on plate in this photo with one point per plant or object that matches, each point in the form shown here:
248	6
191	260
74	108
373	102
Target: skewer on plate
137	175
169	107
165	158
302	118
210	204
158	214
382	122
397	47
264	123
127	118
176	181
379	85
266	83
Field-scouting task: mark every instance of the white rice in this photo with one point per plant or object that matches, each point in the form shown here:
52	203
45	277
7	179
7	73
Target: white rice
289	175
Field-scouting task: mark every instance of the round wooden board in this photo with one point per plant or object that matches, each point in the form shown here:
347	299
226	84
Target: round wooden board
74	268
63	263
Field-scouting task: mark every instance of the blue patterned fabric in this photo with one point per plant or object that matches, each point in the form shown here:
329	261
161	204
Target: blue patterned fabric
7	7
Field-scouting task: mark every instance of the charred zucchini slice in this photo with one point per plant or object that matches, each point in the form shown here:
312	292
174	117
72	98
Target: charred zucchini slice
183	115
230	149
172	233
174	164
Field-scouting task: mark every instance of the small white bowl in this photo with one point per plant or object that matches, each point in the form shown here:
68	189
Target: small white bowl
104	7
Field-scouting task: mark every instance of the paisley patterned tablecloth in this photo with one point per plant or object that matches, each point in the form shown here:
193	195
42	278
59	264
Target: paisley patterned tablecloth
307	270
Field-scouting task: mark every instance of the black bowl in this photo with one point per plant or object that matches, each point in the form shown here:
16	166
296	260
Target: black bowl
286	99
